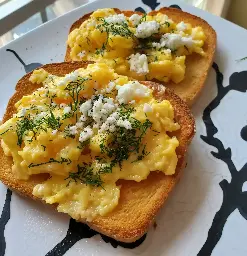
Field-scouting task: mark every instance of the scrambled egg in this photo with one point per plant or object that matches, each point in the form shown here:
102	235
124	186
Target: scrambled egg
87	130
143	47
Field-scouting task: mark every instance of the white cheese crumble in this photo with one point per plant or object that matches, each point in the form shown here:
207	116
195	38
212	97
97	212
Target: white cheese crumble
79	125
67	110
130	91
73	130
101	109
138	63
110	123
181	26
147	108
23	112
147	28
86	134
54	132
124	123
174	41
135	19
84	108
83	118
41	115
110	87
73	76
81	54
116	19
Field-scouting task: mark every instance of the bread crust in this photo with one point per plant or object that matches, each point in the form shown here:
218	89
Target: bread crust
139	201
197	67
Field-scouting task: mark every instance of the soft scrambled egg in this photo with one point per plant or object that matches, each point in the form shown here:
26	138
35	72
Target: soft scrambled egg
87	130
143	47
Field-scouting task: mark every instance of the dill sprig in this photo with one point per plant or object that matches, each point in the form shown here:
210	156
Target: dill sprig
52	160
9	129
86	175
114	29
22	127
27	124
125	141
143	18
74	88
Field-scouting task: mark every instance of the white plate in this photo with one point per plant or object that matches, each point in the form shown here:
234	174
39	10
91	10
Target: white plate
197	205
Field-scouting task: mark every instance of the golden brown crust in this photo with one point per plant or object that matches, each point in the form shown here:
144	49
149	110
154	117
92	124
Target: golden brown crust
197	67
139	201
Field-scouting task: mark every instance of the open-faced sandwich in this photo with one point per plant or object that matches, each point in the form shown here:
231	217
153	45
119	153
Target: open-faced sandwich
168	46
98	146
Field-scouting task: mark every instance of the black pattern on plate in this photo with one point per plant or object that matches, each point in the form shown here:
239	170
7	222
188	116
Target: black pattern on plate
233	197
28	67
5	216
78	231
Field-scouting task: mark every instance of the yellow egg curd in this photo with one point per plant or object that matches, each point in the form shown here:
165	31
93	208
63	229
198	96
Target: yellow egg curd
144	47
87	130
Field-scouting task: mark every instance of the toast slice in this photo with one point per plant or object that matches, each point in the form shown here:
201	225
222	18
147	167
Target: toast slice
139	201
197	67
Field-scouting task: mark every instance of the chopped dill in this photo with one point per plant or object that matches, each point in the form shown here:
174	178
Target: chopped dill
10	128
26	124
22	127
125	141
52	160
85	175
83	144
74	88
142	155
114	29
144	18
52	122
167	24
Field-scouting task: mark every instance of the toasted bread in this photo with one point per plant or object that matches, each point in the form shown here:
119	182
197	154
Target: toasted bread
139	201
197	67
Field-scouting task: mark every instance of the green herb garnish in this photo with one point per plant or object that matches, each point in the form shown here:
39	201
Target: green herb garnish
52	160
85	175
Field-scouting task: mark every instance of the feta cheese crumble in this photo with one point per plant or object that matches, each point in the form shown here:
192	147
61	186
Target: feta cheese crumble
181	26
86	134
135	19
67	110
110	123
110	87
101	109
131	91
147	28
41	115
138	63
147	108
23	112
116	19
54	132
84	108
124	123
73	76
73	130
174	41
81	54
